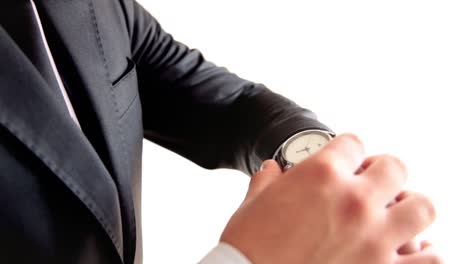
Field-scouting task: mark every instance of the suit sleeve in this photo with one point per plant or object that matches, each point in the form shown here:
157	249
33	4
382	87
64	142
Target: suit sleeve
202	111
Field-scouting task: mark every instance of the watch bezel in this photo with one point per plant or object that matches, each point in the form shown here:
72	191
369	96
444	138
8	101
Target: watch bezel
280	154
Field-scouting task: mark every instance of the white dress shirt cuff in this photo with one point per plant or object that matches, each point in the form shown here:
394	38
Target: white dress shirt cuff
225	254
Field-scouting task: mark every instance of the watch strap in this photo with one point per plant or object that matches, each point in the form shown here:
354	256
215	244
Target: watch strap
280	132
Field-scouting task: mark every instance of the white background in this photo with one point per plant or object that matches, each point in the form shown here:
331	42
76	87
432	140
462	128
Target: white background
394	72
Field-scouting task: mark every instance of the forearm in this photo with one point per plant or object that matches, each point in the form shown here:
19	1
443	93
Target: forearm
204	112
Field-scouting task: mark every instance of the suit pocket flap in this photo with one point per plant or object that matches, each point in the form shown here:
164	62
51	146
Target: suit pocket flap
125	88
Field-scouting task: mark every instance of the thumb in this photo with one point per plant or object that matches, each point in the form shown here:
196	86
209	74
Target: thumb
269	171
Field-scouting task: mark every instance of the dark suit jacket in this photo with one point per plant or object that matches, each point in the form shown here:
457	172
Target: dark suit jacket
73	197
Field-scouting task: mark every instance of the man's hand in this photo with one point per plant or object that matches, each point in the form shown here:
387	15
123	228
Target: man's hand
331	209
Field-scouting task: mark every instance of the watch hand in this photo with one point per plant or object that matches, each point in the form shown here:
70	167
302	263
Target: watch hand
307	149
308	141
302	150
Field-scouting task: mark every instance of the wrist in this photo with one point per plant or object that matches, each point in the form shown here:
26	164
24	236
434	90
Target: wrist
276	133
314	140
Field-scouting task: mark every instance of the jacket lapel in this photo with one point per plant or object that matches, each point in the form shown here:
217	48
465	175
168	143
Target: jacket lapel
34	114
76	28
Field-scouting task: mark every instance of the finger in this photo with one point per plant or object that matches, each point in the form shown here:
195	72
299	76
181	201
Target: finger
408	217
345	151
269	171
386	174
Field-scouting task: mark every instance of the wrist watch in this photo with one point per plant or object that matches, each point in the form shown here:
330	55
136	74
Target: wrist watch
300	146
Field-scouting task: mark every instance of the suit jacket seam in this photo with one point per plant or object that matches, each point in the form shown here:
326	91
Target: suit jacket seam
98	40
119	123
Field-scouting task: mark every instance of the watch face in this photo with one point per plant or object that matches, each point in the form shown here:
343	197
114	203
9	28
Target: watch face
304	144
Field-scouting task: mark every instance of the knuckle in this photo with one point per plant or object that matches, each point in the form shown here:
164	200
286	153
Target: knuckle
326	170
357	206
396	163
426	210
353	138
320	171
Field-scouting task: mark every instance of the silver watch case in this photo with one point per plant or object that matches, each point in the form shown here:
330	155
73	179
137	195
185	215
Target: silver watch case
279	155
